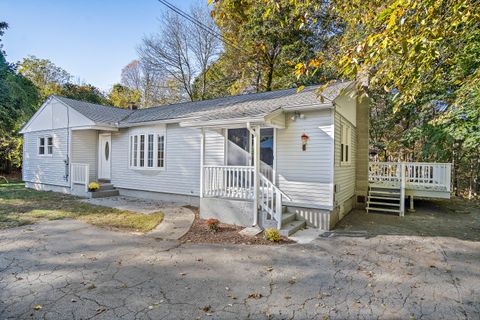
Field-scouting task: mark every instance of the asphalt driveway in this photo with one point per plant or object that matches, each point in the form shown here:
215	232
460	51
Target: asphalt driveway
70	270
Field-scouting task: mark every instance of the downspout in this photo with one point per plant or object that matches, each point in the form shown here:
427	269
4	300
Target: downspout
67	160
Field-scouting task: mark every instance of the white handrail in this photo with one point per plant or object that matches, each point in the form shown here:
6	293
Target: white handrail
271	200
80	174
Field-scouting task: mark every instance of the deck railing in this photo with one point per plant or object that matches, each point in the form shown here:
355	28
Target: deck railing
80	174
228	182
414	175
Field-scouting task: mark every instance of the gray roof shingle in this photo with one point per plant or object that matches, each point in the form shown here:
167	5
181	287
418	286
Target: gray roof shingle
96	112
231	107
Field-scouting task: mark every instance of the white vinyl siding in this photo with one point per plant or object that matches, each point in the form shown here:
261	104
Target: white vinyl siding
344	171
41	169
85	150
181	174
306	176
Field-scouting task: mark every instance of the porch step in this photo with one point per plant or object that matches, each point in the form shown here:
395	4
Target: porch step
382	209
390	204
382	198
288	217
385	192
105	193
292	227
106	186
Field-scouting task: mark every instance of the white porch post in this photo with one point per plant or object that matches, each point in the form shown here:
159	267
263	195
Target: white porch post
256	169
202	160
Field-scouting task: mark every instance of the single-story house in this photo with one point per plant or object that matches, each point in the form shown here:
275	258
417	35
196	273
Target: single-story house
281	158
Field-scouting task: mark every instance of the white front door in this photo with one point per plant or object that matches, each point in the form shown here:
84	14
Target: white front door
104	155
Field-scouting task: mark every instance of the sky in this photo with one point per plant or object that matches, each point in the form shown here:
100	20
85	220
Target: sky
92	40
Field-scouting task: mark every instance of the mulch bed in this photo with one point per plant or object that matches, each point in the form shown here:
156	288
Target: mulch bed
226	234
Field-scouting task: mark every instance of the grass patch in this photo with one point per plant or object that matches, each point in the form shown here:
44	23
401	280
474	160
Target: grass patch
20	206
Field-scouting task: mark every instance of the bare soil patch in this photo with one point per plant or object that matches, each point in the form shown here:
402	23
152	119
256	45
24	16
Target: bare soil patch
226	234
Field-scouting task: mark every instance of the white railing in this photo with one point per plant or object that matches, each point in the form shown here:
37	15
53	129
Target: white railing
417	175
80	173
271	201
228	182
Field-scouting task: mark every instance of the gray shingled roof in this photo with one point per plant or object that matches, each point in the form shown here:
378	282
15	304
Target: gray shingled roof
96	112
240	106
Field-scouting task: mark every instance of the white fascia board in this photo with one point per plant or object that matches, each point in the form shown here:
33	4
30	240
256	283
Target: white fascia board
26	125
308	107
223	123
103	128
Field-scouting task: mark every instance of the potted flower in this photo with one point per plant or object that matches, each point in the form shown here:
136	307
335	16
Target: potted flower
93	186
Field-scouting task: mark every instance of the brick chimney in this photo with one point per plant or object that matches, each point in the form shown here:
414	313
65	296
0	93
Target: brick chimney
132	106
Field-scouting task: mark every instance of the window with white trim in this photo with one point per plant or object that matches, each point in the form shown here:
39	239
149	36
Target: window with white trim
345	149
147	151
45	145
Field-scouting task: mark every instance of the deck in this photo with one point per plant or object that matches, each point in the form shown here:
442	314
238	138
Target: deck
406	179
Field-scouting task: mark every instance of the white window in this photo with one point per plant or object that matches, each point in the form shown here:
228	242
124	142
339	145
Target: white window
345	150
50	145
45	145
41	146
160	151
147	151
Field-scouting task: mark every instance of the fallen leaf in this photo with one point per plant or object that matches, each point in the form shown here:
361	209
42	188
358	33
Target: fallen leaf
183	273
207	308
37	307
255	295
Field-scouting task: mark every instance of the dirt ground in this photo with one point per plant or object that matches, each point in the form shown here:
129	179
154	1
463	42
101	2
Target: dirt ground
446	218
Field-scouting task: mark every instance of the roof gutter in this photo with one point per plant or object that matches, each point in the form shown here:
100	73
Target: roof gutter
223	122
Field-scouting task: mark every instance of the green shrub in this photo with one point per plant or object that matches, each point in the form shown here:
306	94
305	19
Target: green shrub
272	234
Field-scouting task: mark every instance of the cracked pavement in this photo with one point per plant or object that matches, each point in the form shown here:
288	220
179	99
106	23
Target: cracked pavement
69	270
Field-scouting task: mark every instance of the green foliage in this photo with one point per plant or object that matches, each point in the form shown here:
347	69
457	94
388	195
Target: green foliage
122	96
44	74
18	100
85	92
262	48
272	234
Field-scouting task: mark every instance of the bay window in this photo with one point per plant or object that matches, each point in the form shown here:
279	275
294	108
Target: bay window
147	151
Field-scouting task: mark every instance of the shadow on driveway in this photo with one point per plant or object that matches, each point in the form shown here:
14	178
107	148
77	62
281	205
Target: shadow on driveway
444	218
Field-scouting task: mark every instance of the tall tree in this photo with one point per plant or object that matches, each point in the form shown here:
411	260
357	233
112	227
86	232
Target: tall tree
155	86
122	96
181	50
44	74
18	101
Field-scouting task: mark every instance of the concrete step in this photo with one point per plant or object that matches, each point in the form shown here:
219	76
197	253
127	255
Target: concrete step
105	193
292	227
106	186
369	208
288	217
390	204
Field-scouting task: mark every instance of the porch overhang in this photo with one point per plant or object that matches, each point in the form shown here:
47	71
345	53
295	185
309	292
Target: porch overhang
275	119
95	127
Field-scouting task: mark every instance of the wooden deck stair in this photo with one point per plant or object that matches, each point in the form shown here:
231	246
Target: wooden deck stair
384	199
